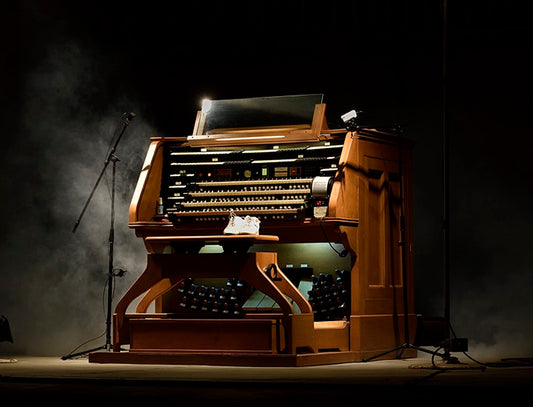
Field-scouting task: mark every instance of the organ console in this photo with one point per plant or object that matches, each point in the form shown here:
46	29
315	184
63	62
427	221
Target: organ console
225	299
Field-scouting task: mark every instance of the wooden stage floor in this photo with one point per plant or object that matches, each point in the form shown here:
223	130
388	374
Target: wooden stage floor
414	380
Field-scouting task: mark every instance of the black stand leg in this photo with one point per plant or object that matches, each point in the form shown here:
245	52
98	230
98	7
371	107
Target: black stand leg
111	272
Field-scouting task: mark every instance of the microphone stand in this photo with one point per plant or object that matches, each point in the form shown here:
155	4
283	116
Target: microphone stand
110	275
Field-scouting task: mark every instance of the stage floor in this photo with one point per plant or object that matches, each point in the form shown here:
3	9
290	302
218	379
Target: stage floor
415	379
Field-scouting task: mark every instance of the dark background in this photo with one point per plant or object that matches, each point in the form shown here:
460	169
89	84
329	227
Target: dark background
69	70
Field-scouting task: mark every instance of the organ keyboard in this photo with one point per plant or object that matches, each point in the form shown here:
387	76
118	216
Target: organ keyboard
306	183
272	182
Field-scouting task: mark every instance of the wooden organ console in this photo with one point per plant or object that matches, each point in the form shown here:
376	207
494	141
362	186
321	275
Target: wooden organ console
306	183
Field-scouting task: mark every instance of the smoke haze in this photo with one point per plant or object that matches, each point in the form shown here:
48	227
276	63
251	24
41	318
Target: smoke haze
54	280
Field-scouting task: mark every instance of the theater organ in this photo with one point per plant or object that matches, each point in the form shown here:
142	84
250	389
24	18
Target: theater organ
276	159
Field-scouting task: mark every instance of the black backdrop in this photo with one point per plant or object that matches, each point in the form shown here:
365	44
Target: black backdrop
70	69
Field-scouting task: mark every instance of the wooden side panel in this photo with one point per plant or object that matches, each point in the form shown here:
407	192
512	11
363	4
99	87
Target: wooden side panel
383	260
371	335
332	335
147	190
203	335
344	196
377	283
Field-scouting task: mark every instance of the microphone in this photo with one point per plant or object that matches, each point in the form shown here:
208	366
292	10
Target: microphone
129	115
119	272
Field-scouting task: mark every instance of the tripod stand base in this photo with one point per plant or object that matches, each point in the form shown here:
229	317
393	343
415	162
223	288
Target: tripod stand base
402	349
106	347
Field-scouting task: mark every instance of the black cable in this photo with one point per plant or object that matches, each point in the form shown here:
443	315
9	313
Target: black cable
82	344
96	337
344	253
433	359
465	353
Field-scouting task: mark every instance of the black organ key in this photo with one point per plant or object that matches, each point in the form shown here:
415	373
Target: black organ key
329	297
209	300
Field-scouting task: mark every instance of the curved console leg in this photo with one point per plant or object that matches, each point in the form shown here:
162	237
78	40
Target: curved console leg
156	291
288	288
152	274
278	287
